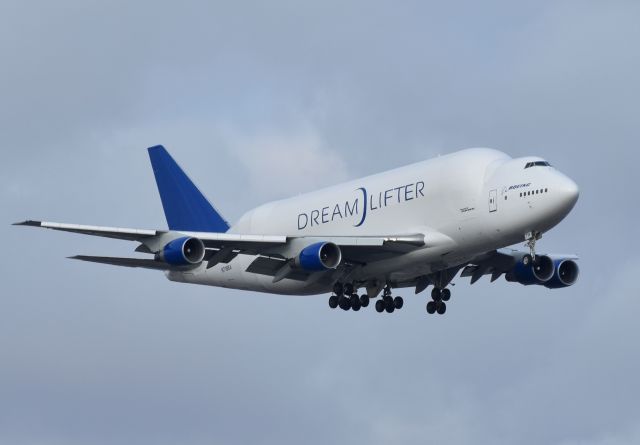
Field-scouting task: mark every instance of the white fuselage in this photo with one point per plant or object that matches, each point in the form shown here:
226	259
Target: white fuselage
466	203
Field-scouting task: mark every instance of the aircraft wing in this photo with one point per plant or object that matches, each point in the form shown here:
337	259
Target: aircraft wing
153	237
222	247
126	262
494	263
108	232
497	262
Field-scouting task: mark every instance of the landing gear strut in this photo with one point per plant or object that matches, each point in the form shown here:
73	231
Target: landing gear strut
531	238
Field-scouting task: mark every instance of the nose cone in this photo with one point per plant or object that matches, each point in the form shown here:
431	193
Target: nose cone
564	196
568	193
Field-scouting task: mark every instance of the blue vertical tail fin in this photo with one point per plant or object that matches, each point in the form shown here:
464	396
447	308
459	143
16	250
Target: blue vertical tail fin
185	207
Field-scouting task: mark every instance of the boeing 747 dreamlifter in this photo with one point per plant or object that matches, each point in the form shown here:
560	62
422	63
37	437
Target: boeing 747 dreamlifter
415	226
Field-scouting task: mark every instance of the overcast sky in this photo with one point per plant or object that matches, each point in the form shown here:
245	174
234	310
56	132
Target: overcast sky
263	100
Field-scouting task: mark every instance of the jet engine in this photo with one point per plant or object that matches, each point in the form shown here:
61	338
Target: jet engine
565	273
527	271
319	256
183	252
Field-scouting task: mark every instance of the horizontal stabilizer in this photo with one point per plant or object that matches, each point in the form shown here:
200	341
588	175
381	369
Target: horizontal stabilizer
126	262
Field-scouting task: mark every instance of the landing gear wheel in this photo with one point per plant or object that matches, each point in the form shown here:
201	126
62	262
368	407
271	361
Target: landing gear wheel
431	307
333	301
364	300
442	308
338	289
348	289
436	294
398	302
355	304
379	306
344	303
445	294
389	305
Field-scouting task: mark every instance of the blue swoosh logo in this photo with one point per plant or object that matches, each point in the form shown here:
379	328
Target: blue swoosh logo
364	212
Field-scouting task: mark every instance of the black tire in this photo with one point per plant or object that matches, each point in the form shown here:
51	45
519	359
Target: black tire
338	289
355	305
398	302
431	307
445	294
333	301
344	303
348	289
442	308
436	294
389	306
380	306
364	300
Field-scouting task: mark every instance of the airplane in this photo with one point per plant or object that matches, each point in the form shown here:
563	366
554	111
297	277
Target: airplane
411	227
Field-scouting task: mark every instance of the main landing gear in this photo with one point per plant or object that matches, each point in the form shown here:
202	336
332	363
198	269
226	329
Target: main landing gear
346	298
437	304
388	303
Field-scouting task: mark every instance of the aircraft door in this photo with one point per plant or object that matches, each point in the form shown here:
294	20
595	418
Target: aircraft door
493	200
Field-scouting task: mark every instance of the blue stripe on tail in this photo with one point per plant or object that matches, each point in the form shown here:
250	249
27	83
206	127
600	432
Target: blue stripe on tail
185	207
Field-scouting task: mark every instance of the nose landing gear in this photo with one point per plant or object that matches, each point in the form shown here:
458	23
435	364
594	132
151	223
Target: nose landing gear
531	238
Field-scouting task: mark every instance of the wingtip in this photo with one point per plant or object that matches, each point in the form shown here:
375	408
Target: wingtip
28	222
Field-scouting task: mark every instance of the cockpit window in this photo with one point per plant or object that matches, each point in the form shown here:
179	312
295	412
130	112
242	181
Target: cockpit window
537	164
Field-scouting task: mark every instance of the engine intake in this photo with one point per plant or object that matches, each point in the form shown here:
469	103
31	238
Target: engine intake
319	256
526	271
183	251
565	274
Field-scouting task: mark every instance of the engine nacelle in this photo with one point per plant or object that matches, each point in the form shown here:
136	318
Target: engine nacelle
565	274
526	271
183	252
319	256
